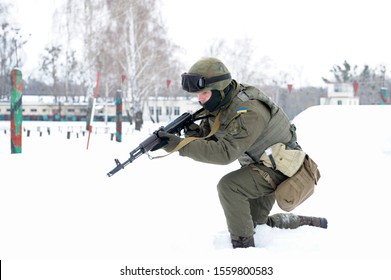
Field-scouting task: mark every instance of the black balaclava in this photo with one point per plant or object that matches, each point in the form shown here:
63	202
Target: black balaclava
218	99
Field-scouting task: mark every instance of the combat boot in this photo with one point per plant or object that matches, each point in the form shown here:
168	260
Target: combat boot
313	221
242	242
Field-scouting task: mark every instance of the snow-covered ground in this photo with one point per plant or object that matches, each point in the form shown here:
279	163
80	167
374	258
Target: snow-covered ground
58	208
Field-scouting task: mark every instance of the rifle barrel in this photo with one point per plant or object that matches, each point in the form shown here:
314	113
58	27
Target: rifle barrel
174	127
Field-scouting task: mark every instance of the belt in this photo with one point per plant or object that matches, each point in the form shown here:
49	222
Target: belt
265	176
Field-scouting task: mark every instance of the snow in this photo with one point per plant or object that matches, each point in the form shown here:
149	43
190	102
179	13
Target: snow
59	209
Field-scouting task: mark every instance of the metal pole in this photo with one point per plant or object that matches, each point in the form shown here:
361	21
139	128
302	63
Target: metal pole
118	116
16	111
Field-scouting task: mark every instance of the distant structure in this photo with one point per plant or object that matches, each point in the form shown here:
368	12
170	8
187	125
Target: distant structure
341	94
46	108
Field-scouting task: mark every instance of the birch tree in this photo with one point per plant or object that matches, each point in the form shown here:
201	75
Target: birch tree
143	53
123	38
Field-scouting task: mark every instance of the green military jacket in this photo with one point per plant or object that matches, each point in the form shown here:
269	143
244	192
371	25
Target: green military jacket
249	124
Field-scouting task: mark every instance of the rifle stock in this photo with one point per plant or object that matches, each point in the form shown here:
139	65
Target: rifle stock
175	127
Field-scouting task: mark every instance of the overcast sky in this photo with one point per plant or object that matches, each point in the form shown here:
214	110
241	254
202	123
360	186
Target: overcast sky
304	38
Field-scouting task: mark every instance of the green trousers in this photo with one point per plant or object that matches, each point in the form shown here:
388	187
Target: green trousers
247	199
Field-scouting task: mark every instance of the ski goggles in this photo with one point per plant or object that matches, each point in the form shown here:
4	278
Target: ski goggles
196	82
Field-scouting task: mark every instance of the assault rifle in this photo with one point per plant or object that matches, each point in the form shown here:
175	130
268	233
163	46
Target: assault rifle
175	127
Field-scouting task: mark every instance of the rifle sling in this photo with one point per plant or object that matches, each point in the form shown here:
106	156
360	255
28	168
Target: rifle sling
187	140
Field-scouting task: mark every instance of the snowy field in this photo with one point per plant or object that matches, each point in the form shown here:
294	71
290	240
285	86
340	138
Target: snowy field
61	215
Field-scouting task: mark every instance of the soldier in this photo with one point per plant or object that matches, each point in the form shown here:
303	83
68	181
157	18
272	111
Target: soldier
247	122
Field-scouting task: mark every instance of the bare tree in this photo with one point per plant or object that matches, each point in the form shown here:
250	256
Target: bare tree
244	64
143	53
371	81
123	38
49	66
11	42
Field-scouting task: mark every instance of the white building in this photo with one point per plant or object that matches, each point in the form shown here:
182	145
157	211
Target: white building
167	109
340	94
159	109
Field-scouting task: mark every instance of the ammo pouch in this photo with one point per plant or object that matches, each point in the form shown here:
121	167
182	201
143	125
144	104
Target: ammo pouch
296	189
302	171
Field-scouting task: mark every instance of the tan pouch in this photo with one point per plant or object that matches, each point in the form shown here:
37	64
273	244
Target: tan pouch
287	161
296	189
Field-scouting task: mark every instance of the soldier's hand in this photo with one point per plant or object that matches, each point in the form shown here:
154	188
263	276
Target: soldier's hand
193	130
168	141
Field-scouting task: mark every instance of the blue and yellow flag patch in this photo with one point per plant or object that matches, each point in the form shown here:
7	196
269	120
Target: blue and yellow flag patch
241	110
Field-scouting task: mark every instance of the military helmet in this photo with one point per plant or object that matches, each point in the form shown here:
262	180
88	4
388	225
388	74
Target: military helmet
206	74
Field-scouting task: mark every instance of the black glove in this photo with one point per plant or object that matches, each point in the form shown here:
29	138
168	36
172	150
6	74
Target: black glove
168	141
193	130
